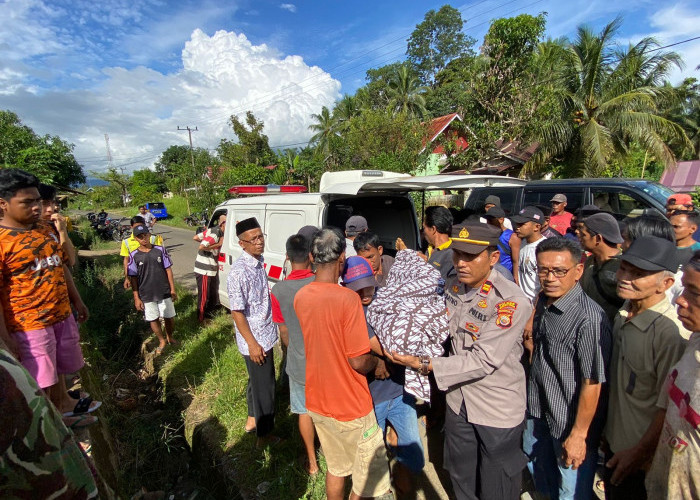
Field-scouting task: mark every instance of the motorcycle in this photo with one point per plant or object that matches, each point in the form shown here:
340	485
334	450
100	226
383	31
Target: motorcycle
197	219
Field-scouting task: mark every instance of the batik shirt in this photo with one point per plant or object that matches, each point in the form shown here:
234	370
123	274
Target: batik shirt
249	293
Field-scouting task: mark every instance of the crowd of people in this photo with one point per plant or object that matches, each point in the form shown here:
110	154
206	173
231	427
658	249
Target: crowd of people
570	348
562	343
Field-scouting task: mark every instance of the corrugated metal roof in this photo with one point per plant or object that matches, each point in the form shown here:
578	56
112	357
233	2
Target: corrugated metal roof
684	178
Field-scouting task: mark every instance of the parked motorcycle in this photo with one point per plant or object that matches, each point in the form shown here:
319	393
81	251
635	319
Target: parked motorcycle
197	219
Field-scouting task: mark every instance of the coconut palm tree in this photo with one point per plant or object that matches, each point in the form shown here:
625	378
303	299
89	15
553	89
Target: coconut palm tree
326	126
345	110
609	99
405	92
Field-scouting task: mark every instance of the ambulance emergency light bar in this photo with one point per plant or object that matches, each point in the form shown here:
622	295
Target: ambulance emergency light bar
269	189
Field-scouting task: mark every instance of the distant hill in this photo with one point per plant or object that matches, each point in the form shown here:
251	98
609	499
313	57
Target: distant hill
94	182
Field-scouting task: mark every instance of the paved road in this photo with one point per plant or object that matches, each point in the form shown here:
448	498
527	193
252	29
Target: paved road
182	251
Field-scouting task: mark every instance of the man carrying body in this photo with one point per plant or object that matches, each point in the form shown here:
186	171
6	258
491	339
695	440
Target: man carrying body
249	298
437	225
483	376
647	341
337	359
354	226
675	471
572	345
206	268
283	314
560	219
600	235
528	224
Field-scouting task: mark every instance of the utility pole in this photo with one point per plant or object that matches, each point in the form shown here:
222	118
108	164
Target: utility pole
189	132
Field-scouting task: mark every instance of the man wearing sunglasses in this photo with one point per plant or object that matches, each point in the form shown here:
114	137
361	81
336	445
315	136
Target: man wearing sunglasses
572	345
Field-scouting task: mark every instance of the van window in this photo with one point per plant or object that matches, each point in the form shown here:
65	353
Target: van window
390	217
279	226
214	221
156	205
508	196
619	202
543	196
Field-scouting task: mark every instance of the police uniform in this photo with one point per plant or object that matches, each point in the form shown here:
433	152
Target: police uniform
484	379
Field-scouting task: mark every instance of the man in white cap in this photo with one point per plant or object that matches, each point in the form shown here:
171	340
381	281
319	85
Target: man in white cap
560	219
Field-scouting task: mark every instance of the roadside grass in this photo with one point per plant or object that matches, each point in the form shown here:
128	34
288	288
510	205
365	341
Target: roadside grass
177	211
208	368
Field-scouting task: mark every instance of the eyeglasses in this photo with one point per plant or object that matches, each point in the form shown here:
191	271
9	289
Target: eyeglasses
255	240
558	273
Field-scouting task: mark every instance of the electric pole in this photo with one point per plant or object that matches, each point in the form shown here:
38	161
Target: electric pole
189	132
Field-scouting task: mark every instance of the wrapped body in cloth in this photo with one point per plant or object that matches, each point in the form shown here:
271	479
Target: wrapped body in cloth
409	315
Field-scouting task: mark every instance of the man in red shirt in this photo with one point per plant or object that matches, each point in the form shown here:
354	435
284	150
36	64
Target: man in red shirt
337	359
560	220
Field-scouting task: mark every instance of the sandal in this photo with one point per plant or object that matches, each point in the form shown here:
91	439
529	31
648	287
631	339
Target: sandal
77	394
600	485
84	405
80	421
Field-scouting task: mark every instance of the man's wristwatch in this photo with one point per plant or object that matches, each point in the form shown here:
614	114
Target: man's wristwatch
424	365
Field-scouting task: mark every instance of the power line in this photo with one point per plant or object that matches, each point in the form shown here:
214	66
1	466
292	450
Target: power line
674	44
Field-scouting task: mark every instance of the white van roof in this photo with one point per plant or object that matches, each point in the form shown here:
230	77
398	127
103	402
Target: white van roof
403	183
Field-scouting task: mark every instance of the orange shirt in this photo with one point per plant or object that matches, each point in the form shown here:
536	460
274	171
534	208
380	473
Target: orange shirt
33	289
334	329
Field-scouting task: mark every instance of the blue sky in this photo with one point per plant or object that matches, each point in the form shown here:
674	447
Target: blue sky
137	70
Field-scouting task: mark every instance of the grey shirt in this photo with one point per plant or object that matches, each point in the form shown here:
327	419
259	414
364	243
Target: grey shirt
483	369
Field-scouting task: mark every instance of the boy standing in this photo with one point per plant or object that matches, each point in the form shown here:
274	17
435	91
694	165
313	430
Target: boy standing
150	271
36	293
130	244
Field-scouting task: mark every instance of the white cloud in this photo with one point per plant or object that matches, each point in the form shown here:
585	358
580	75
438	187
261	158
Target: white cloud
141	108
289	6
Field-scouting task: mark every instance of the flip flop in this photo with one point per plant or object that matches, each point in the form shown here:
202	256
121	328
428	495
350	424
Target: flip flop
77	394
83	406
80	421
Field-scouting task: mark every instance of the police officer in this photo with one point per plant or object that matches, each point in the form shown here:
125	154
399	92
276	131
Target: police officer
483	376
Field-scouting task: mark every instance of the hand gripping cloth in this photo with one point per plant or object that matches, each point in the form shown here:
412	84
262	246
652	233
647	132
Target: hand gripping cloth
409	315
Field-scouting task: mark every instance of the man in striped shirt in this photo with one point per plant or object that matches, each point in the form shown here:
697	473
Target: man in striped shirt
572	338
206	268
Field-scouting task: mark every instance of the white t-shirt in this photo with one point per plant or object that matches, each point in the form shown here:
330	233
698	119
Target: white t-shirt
349	248
527	269
506	222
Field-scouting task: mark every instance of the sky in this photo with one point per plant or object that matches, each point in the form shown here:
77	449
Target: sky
138	70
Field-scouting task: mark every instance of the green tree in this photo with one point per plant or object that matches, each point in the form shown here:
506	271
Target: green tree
405	92
48	157
325	128
147	186
345	110
685	111
117	192
252	146
374	95
436	41
609	101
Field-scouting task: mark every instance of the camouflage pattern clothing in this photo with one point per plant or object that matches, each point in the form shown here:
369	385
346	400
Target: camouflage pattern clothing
39	457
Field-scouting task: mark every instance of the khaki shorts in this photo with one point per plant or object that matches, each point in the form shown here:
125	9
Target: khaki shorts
355	448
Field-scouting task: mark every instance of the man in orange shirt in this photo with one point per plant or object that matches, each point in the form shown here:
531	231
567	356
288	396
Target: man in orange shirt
560	219
36	294
337	359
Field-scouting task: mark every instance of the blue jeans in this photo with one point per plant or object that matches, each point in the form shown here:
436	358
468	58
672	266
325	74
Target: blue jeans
401	412
547	467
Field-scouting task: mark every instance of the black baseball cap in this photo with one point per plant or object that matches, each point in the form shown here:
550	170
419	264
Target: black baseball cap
652	253
605	225
492	199
495	212
139	230
474	238
529	214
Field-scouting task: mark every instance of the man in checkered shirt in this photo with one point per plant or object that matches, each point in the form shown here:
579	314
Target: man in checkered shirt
572	337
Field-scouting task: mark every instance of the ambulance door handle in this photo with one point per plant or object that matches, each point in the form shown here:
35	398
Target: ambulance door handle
230	260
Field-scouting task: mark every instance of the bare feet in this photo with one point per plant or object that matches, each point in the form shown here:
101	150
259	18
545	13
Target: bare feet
250	425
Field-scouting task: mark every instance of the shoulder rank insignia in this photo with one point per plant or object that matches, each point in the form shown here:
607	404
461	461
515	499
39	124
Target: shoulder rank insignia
486	288
455	288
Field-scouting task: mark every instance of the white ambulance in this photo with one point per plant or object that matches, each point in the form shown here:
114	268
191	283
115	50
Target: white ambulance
380	197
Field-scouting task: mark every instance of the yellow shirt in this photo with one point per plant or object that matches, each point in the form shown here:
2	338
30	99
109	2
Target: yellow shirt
130	244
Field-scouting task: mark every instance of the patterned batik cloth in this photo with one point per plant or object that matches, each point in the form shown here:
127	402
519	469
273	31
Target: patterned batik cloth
409	315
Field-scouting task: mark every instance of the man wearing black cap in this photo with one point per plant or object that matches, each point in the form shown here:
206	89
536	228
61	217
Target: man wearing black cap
600	235
494	201
354	226
483	376
647	342
528	226
256	334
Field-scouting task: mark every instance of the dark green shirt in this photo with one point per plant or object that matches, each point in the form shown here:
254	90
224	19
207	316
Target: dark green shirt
600	283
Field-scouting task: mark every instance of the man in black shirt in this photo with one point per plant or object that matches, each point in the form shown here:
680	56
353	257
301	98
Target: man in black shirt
150	271
572	344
